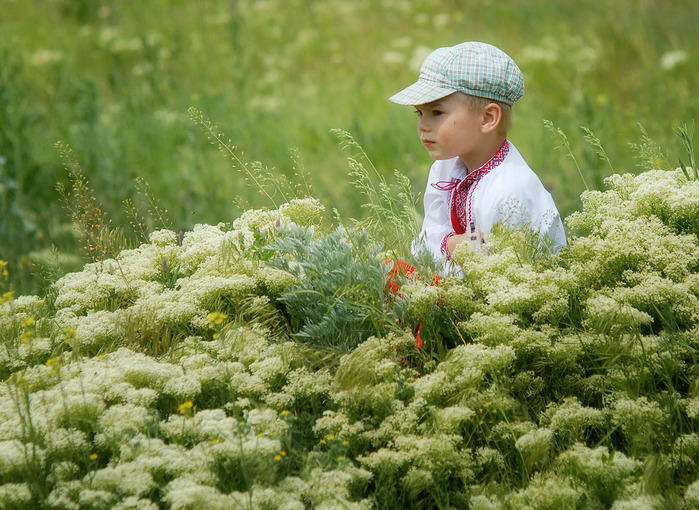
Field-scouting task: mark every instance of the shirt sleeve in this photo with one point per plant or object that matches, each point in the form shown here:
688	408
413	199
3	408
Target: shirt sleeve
437	222
528	204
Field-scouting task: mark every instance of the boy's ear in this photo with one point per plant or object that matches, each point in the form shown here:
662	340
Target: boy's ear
492	115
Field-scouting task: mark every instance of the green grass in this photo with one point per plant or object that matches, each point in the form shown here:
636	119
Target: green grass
115	79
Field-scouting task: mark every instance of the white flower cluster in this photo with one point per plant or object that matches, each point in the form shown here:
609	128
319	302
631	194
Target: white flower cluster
137	387
168	285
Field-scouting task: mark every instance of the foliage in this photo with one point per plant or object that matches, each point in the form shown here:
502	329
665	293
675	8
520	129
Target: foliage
267	363
339	299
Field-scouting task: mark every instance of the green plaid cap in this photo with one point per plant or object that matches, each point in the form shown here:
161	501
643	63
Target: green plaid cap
474	68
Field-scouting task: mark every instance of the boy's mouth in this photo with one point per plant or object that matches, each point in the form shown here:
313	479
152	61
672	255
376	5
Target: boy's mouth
428	143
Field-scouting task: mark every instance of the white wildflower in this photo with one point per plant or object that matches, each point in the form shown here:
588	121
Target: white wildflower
691	495
693	407
123	392
571	417
183	494
135	503
672	59
546	491
598	467
392	57
127	478
328	488
123	419
143	371
163	237
270	369
258	220
423	298
100	329
183	387
303	211
274	281
491	329
267	422
66	443
75	408
535	445
17	458
642	502
15	495
65	470
450	420
338	424
639	417
605	313
44	57
304	384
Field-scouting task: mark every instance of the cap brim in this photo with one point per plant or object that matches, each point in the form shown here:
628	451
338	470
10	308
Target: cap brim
420	93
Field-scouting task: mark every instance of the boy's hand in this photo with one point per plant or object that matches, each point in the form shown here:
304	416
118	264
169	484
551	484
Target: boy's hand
476	240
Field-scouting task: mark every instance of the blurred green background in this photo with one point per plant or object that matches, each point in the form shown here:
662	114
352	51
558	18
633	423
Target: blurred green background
114	79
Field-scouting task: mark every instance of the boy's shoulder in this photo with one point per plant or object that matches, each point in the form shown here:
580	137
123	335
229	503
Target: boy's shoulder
513	174
447	169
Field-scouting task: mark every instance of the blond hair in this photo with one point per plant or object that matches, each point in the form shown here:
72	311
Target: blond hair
476	104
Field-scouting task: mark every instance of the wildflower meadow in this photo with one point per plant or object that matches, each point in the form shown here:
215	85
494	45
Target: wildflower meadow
282	360
161	348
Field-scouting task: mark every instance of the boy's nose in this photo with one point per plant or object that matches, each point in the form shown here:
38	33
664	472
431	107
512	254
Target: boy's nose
422	125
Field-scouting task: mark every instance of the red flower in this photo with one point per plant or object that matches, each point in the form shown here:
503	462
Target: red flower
418	340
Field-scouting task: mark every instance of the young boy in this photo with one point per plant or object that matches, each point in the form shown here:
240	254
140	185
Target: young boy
464	99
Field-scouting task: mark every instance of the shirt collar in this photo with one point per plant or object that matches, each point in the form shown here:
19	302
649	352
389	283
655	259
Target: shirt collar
493	162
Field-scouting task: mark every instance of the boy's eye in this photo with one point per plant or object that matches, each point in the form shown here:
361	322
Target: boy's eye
436	113
419	113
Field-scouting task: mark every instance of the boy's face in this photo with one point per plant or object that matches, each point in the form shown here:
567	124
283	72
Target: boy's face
448	128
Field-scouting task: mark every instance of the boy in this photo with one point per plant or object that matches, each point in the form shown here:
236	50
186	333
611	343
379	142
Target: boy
464	99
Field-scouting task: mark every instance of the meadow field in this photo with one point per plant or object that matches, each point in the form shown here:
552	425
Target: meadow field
114	80
199	205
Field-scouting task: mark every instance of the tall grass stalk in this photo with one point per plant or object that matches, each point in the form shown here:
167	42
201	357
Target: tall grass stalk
686	134
98	237
596	145
392	210
563	142
648	152
252	171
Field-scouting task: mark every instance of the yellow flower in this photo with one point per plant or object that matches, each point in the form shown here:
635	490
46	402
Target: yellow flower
3	268
341	457
283	453
93	456
28	322
285	412
54	363
7	297
331	437
216	319
345	442
277	457
186	409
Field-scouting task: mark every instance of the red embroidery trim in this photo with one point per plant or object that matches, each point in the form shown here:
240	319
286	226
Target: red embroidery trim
445	185
443	245
461	202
